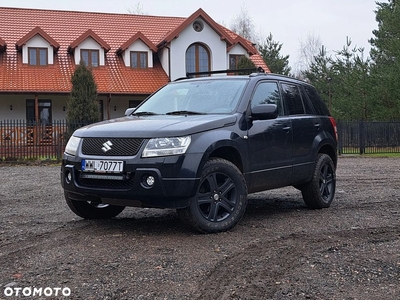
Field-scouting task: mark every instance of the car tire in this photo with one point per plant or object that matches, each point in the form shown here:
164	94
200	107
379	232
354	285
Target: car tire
320	191
93	210
220	201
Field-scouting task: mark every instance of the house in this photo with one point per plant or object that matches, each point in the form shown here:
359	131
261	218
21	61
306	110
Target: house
131	57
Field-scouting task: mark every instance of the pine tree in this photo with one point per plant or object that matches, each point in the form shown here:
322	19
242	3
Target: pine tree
385	54
270	52
245	63
321	75
82	104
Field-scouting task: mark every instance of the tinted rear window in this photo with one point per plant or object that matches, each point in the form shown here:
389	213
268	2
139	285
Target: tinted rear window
319	105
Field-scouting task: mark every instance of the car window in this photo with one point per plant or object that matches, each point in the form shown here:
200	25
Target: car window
267	93
292	98
306	102
201	96
320	107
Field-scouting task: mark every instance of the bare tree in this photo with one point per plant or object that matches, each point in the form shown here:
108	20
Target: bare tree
243	25
137	9
309	49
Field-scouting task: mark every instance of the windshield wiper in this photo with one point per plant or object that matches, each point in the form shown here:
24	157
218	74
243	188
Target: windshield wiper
184	112
144	113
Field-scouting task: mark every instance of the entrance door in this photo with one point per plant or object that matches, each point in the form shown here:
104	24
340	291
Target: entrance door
39	125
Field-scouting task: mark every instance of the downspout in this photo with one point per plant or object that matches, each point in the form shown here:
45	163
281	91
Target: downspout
169	63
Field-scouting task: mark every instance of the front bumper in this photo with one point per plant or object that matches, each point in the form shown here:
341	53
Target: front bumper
174	183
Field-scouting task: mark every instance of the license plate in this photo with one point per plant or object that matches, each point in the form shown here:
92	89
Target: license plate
102	166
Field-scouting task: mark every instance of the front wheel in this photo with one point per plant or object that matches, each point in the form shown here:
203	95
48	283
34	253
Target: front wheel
221	198
93	210
320	191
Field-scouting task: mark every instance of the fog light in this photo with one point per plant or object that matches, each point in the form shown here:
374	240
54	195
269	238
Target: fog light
68	177
150	180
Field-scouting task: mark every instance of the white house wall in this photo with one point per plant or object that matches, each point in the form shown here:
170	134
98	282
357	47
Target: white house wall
236	50
37	42
89	44
58	102
18	103
189	36
140	47
163	55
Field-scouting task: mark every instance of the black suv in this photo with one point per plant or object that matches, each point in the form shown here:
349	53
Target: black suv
200	145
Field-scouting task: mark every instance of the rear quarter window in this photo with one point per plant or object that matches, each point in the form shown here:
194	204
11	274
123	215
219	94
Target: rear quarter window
292	98
319	105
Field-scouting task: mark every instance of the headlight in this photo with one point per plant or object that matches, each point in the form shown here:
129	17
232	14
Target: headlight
166	146
72	145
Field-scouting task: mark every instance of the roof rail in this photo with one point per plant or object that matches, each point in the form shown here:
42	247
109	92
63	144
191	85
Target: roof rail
259	70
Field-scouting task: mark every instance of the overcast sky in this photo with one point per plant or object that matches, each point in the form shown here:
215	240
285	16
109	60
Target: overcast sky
289	21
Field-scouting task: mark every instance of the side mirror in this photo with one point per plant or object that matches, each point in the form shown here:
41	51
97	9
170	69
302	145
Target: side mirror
264	112
129	111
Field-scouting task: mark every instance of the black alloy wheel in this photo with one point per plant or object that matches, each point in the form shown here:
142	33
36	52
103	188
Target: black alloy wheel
221	199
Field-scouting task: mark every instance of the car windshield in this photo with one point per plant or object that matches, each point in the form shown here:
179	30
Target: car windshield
195	97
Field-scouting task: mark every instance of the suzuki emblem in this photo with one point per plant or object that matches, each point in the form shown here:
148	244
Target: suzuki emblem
107	146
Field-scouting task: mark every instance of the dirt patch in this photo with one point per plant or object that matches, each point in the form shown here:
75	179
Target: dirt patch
280	250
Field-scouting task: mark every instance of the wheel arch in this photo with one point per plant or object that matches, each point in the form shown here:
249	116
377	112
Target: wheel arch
329	150
230	154
224	151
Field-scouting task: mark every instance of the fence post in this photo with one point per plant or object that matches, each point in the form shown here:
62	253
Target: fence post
362	137
340	143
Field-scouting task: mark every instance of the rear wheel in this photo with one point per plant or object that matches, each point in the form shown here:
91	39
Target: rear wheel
320	191
93	210
221	199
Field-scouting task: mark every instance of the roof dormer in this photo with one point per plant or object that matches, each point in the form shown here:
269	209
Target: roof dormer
137	52
90	48
245	45
36	46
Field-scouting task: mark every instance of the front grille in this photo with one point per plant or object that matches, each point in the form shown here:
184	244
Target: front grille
109	184
116	146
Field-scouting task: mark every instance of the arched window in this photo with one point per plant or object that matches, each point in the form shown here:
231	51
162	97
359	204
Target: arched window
197	58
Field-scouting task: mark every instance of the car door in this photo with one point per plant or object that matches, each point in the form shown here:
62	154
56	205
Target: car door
269	141
305	128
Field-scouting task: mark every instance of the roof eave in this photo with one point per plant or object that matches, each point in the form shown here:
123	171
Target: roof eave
84	36
197	14
37	31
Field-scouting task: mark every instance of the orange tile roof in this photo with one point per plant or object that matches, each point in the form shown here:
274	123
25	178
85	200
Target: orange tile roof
66	29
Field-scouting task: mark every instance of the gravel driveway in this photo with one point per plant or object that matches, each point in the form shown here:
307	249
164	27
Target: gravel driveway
280	250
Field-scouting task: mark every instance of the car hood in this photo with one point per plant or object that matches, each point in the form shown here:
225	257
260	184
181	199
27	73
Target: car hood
155	126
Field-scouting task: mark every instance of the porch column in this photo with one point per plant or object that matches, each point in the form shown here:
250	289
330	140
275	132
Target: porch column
37	121
108	106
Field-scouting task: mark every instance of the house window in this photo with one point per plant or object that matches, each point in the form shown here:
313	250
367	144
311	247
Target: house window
234	61
37	56
44	112
90	57
197	58
138	60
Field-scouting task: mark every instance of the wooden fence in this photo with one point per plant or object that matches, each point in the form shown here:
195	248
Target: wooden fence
22	141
